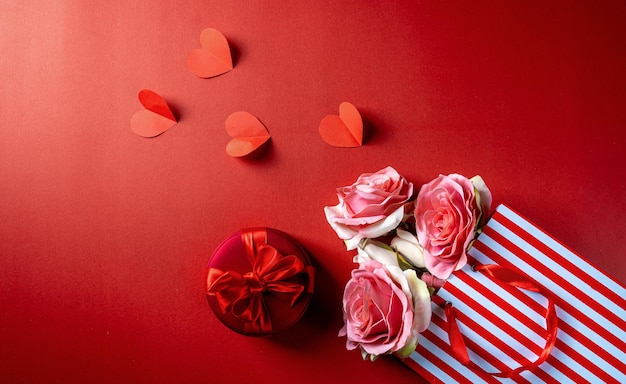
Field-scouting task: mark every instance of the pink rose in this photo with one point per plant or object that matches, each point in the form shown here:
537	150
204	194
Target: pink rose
369	208
384	308
448	211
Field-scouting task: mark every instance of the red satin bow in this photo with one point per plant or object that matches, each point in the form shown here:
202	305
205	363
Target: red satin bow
509	277
243	294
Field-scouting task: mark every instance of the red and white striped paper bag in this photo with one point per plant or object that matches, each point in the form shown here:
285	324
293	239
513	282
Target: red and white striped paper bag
505	327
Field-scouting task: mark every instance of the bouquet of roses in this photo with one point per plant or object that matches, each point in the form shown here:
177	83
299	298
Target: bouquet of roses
407	247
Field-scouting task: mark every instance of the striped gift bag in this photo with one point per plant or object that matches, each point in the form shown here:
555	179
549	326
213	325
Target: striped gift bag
505	327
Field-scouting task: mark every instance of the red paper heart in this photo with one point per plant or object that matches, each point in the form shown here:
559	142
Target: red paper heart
248	134
155	119
213	58
345	130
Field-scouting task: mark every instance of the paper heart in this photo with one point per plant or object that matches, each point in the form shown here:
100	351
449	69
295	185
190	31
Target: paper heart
155	119
248	134
213	58
345	130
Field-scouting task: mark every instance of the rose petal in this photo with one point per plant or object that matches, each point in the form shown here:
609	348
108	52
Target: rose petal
375	250
483	198
422	307
438	267
406	244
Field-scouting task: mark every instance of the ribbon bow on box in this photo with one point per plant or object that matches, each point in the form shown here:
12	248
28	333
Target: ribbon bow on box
244	295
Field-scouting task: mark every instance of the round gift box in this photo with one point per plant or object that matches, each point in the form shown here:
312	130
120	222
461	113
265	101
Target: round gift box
230	255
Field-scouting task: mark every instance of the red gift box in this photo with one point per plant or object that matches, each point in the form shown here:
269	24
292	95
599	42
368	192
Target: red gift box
259	281
502	327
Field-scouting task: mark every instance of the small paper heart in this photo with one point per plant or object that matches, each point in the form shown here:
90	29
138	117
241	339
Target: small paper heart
345	130
248	134
155	119
213	58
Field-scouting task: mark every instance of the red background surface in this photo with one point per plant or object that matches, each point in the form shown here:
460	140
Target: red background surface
104	235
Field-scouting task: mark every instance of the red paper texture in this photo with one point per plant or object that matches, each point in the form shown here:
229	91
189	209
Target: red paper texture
506	325
105	235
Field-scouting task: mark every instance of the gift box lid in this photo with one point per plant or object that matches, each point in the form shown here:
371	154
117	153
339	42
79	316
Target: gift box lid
259	281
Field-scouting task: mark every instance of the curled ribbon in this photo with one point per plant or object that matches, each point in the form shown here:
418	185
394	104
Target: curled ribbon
242	295
509	277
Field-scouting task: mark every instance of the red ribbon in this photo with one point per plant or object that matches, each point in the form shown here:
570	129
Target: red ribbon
496	272
242	295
